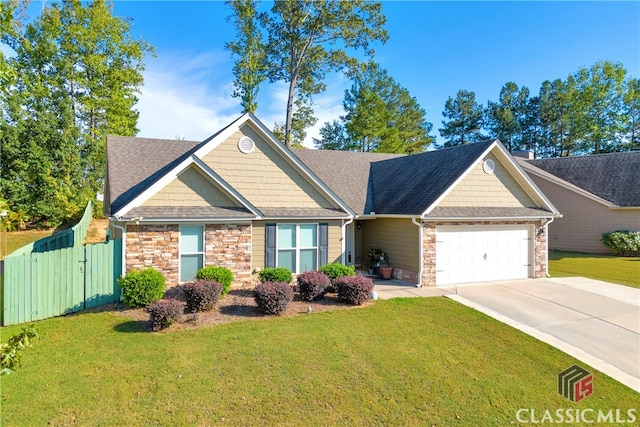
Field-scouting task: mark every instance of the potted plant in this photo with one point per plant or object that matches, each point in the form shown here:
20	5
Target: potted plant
385	268
375	255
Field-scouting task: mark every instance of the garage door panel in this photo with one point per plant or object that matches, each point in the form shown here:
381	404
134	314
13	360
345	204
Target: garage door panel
477	254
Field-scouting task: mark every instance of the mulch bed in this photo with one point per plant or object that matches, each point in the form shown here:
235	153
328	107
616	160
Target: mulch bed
237	305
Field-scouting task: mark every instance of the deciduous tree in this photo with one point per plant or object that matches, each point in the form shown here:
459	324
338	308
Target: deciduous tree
307	39
79	71
250	66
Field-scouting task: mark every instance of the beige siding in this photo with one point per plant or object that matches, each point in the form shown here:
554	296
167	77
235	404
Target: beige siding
191	188
263	176
480	189
258	240
583	220
399	237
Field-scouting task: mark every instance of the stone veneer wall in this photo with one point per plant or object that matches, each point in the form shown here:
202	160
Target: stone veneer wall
405	275
157	246
229	245
429	242
154	246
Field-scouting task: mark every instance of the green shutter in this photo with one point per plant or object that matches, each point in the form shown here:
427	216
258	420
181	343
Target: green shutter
270	246
323	244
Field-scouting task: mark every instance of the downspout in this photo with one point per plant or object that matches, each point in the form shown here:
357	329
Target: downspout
421	246
124	246
344	239
546	231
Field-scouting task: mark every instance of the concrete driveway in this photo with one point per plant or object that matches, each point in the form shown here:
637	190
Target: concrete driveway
595	322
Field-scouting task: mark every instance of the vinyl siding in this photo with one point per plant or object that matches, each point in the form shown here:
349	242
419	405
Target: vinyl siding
583	220
258	240
191	188
480	189
398	237
263	176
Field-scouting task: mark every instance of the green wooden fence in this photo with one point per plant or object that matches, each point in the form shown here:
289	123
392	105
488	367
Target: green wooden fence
59	275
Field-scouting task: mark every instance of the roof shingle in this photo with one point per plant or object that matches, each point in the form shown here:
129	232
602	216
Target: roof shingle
614	177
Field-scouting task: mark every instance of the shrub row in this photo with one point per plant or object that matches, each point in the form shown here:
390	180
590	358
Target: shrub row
623	242
142	288
273	297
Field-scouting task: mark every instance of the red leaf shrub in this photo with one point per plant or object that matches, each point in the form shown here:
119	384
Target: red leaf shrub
202	295
273	297
164	313
354	289
312	285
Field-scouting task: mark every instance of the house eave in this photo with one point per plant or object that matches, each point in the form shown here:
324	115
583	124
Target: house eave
143	221
489	218
306	218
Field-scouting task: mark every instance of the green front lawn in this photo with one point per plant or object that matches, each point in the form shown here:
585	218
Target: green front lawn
419	361
17	239
621	270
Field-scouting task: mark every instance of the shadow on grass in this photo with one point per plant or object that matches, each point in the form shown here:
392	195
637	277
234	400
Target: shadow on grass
133	326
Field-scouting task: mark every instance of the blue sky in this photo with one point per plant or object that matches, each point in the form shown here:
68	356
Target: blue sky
434	50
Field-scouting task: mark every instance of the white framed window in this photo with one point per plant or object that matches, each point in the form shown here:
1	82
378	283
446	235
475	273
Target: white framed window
191	251
297	247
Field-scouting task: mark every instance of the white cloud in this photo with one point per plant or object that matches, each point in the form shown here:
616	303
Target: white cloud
190	97
182	98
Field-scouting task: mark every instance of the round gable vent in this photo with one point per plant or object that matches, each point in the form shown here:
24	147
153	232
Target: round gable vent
246	145
488	166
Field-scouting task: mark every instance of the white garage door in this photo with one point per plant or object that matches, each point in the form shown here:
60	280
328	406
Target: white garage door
480	254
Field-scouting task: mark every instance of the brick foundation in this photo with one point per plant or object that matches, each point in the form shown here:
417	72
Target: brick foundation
429	243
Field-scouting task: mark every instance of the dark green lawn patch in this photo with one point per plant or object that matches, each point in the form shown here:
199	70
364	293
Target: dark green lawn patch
614	269
422	361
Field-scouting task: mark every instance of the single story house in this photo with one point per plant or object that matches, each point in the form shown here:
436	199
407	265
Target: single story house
243	200
596	194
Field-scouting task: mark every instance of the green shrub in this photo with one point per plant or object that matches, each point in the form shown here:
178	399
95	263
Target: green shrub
164	313
10	351
222	275
354	290
142	287
273	297
277	274
202	295
335	270
623	242
312	285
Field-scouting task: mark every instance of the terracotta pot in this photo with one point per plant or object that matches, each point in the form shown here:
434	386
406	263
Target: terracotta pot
386	272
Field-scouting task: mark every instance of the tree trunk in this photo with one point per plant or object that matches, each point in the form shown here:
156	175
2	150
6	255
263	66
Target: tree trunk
289	120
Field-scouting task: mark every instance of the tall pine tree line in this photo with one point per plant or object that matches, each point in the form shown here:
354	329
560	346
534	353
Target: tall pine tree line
594	110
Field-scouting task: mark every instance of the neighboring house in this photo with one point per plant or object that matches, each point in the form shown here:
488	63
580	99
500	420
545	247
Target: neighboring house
243	200
596	194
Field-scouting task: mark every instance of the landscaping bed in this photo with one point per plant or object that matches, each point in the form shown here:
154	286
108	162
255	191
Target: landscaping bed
238	305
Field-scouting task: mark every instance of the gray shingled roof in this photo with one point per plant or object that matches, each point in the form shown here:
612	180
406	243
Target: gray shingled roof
487	212
190	212
136	163
614	177
303	212
345	172
409	185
